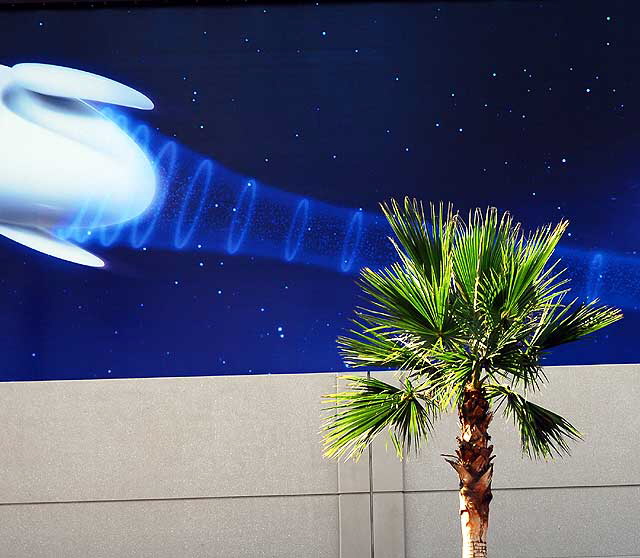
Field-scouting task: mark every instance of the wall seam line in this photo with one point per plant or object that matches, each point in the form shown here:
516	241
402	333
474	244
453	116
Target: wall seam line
179	498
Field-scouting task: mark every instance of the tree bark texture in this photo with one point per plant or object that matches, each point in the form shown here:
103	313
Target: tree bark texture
473	463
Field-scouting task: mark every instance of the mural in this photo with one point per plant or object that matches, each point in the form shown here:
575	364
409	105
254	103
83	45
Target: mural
222	231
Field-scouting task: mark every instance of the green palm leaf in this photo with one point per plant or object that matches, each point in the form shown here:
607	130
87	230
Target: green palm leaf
379	347
562	324
371	406
543	433
471	305
424	243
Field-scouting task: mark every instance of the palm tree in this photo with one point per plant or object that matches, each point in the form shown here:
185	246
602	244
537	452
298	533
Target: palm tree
465	314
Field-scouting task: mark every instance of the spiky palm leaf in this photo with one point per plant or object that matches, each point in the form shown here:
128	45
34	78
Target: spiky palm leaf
369	408
471	302
543	433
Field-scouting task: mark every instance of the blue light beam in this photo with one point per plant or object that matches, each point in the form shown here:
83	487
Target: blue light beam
201	205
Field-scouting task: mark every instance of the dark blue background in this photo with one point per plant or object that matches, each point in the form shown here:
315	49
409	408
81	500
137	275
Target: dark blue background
533	107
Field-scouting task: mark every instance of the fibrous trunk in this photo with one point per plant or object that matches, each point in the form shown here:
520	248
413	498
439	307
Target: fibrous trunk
475	470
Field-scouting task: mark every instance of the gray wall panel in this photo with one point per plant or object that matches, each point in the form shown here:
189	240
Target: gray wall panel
389	524
596	399
165	437
232	466
355	527
287	527
538	523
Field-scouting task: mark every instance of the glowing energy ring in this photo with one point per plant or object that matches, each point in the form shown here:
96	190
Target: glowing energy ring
169	149
83	235
141	136
235	241
108	235
205	169
121	121
298	227
107	113
351	242
69	231
78	230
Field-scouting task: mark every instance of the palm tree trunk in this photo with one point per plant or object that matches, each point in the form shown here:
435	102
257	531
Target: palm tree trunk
475	470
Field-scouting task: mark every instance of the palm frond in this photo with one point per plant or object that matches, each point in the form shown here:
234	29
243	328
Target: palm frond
359	415
425	243
378	347
565	323
470	302
481	245
543	433
528	266
455	367
400	298
519	366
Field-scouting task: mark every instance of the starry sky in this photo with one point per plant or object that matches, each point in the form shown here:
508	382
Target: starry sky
529	106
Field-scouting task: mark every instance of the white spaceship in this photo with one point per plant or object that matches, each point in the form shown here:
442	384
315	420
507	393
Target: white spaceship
64	164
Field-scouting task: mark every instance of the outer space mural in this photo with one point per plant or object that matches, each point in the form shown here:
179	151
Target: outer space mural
211	197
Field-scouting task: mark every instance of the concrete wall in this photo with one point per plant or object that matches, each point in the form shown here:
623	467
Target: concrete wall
232	467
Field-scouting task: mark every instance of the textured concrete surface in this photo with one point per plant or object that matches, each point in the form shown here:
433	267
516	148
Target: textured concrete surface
228	527
542	523
354	529
389	524
233	467
163	438
596	399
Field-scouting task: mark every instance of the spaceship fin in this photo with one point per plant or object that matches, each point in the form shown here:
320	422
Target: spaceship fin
59	81
45	242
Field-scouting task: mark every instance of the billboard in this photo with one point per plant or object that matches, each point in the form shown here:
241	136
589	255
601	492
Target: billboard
192	190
